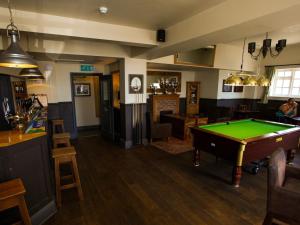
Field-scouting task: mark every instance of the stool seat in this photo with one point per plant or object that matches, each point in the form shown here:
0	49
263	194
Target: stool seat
61	152
12	195
61	135
61	139
11	188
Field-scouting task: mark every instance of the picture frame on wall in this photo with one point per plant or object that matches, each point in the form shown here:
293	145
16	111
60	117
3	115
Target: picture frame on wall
238	89
136	84
82	89
226	88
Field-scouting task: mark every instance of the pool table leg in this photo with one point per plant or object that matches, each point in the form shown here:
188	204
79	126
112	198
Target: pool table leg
237	169
236	176
196	157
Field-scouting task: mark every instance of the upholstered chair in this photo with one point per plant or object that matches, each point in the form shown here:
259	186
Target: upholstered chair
283	201
157	130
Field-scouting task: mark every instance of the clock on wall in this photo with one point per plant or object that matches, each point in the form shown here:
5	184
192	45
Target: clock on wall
136	84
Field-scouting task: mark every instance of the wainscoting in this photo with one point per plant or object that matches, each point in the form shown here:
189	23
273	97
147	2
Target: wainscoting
63	110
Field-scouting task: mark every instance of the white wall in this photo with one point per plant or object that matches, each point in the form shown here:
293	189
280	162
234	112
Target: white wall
85	105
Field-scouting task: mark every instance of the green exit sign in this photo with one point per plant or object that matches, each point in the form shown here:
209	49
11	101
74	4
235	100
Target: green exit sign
87	67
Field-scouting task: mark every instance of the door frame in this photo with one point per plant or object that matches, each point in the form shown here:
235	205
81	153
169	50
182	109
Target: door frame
73	75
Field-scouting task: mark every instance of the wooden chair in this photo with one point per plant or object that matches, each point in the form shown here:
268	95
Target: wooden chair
58	126
61	139
283	201
62	156
12	195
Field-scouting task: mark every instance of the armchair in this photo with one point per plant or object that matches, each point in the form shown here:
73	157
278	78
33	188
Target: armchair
283	201
157	130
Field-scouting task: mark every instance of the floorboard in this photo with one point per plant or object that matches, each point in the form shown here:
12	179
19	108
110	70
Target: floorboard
146	186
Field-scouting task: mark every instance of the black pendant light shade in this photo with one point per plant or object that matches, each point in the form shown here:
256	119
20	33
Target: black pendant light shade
14	56
30	72
41	77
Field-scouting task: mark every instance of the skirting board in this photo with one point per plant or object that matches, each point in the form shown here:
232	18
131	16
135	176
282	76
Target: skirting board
45	213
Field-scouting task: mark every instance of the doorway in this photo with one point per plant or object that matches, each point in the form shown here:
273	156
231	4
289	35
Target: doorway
86	100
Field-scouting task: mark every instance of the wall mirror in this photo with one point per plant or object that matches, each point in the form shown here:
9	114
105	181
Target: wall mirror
198	57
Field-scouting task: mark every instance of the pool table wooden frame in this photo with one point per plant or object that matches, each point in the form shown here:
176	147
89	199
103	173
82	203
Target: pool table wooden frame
239	151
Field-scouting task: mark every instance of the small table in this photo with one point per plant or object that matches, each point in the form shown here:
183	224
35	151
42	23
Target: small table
244	141
181	124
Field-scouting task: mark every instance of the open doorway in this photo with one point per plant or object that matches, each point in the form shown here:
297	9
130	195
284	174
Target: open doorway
86	103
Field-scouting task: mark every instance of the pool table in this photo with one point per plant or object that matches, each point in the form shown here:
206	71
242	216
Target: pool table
244	141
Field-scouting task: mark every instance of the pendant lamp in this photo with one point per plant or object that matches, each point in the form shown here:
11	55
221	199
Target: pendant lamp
14	56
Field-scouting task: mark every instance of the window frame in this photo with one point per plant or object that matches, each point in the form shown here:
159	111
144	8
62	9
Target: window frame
275	78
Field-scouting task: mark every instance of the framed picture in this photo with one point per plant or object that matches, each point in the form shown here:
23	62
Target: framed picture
238	89
226	88
136	84
82	89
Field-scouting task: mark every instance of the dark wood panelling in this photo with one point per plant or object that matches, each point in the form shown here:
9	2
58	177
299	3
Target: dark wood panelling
126	124
30	161
63	110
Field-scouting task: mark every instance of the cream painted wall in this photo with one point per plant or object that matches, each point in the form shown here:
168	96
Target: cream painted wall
209	83
57	84
230	57
85	106
132	66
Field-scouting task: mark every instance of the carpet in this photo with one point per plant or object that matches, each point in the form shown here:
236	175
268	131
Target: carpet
174	146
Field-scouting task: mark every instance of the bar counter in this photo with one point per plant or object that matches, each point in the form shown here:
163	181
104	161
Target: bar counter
27	156
8	138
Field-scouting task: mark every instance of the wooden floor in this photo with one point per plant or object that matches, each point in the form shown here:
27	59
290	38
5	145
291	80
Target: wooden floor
148	186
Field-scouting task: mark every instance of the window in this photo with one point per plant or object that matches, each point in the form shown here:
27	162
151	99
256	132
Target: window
286	83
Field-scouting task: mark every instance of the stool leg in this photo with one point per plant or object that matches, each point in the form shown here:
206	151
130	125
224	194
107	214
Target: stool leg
23	211
77	179
57	183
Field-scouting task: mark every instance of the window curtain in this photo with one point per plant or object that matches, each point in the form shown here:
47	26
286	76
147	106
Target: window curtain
269	73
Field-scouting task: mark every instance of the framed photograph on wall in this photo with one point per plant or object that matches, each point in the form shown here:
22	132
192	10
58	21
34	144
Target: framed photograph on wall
136	84
226	88
82	89
238	89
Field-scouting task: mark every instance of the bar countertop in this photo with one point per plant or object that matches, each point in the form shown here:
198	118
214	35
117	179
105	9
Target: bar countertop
9	138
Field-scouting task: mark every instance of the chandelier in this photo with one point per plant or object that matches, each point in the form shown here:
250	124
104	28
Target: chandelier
14	55
245	78
267	47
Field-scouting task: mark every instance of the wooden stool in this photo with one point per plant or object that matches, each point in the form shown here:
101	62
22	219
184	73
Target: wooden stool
12	195
62	139
66	155
58	126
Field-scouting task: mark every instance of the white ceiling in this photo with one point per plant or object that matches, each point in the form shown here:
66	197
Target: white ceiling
148	14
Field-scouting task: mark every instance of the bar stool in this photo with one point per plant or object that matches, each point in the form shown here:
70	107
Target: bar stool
62	156
61	139
12	195
58	126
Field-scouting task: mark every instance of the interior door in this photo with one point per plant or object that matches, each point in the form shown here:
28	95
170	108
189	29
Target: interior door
107	112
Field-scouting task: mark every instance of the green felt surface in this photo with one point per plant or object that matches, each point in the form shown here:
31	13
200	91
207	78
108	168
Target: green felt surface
243	129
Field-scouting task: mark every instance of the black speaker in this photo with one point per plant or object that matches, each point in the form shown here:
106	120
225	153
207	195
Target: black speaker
161	35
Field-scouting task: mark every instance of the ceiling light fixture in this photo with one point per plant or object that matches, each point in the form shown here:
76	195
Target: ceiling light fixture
281	44
103	10
14	56
30	72
244	78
